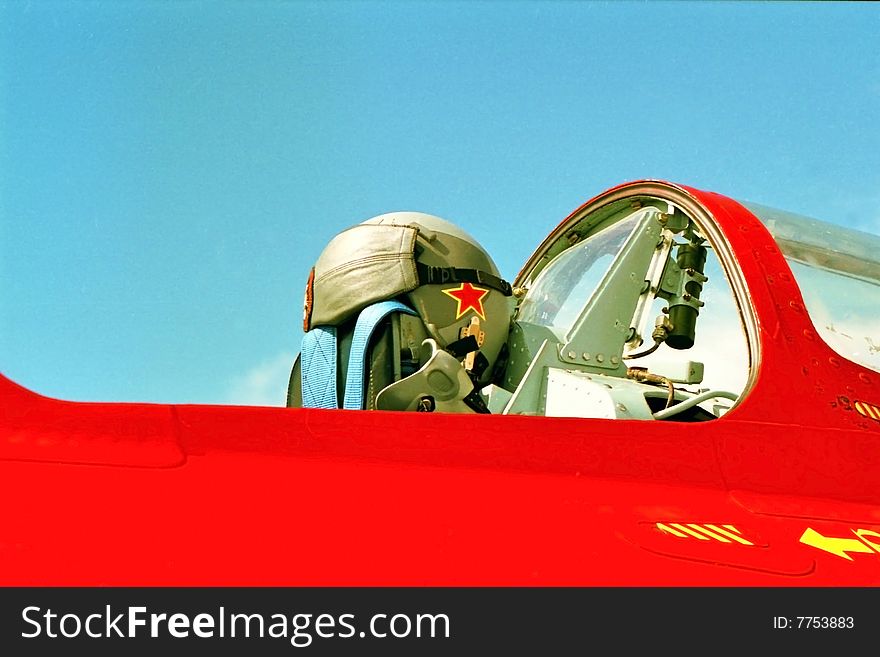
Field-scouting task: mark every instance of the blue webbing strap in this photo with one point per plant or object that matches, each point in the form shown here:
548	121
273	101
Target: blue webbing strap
318	359
318	368
363	330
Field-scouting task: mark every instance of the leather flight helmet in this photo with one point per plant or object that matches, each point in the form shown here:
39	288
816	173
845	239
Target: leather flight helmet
460	291
431	265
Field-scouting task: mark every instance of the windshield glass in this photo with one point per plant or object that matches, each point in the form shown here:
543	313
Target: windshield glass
838	272
564	286
598	314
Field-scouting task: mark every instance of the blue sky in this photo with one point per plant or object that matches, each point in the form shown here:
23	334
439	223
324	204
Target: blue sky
170	171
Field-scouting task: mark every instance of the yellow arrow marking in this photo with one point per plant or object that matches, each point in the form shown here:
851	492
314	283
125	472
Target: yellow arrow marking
837	546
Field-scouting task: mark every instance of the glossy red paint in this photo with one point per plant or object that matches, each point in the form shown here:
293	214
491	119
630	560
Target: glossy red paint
146	494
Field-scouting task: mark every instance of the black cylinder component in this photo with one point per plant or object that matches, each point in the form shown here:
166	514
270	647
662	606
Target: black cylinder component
691	257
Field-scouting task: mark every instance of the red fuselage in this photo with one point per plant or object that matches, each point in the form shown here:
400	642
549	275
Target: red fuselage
784	490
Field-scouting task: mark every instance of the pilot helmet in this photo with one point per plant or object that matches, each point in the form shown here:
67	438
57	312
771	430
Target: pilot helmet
430	265
460	290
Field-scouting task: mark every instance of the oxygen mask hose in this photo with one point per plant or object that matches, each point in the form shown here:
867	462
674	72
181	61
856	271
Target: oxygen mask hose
642	374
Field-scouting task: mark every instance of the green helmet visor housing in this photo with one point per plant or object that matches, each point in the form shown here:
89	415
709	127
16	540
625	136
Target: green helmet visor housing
429	264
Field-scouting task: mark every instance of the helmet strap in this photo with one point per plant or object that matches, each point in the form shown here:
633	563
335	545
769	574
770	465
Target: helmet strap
440	275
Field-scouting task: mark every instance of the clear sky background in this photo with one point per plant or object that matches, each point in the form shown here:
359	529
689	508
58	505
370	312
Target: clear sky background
169	171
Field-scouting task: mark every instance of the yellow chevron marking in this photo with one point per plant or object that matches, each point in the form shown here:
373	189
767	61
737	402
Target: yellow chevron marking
690	532
670	530
868	410
836	546
707	532
729	534
867	541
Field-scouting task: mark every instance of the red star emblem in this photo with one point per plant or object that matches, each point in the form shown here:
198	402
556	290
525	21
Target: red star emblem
468	297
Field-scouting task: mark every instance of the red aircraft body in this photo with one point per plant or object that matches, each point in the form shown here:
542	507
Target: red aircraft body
781	489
